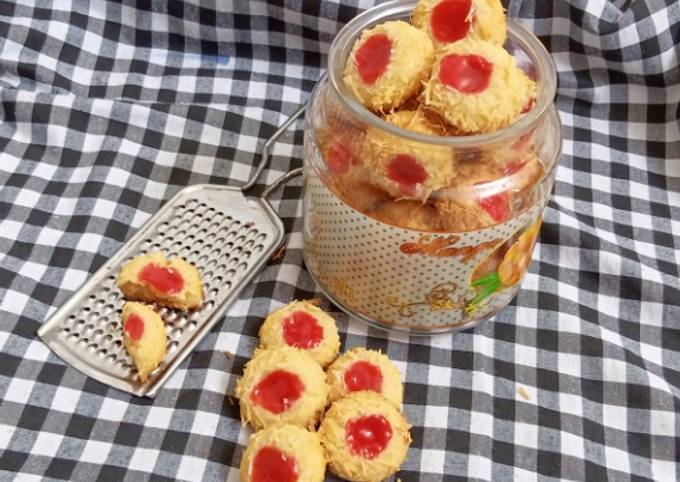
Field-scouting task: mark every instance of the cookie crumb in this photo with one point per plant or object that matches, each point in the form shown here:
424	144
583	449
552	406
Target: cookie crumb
231	400
315	301
229	354
523	393
279	253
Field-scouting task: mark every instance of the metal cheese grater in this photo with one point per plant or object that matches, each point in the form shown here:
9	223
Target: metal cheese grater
228	237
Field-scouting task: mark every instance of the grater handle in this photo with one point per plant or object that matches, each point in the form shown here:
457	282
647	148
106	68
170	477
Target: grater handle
264	161
282	180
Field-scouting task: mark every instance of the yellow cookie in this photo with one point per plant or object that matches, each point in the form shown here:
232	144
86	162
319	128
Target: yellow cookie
282	385
283	453
409	214
388	64
362	369
144	337
404	168
302	325
477	87
366	438
174	283
447	21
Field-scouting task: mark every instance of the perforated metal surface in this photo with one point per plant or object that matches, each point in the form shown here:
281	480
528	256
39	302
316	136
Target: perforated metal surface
225	235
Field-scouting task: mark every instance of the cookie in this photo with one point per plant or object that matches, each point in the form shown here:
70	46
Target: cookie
365	437
174	283
388	64
283	453
144	337
361	369
305	326
477	87
282	385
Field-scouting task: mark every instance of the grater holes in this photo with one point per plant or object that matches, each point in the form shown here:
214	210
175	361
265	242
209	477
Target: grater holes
250	244
230	273
261	237
243	266
258	248
170	317
172	346
207	305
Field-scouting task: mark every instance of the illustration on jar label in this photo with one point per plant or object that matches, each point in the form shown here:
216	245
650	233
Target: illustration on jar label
504	267
438	299
410	279
427	245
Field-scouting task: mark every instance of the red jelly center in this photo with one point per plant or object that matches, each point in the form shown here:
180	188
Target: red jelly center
368	436
277	391
363	375
512	167
134	326
272	465
373	57
339	158
301	330
498	206
528	106
469	74
164	280
449	20
406	171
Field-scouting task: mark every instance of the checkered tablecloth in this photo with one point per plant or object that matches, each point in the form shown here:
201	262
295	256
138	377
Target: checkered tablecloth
107	110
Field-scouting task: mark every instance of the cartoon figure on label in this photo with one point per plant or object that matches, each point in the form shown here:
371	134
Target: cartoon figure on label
504	267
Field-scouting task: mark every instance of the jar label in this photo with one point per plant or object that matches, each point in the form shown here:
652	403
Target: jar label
410	279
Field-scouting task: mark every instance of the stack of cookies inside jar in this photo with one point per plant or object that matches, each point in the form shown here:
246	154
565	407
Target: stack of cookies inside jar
450	142
436	77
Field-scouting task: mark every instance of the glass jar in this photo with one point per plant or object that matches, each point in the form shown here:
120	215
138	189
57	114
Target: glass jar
424	261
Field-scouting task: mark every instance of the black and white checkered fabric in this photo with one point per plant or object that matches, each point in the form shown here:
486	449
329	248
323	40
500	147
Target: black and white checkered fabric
107	110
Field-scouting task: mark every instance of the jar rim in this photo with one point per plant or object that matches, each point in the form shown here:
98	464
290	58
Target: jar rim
546	78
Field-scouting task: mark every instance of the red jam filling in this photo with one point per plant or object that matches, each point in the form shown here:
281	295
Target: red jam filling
407	172
272	465
134	326
528	106
163	280
301	330
523	142
469	74
368	436
363	375
277	391
512	167
373	57
339	158
450	20
497	205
